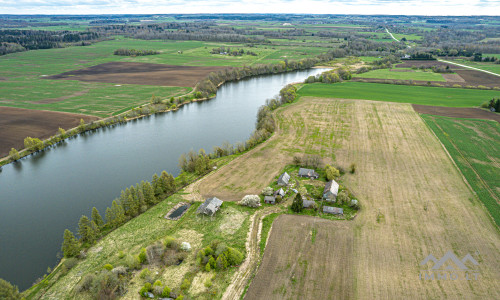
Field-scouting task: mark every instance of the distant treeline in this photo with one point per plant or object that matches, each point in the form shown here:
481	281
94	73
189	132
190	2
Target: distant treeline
22	40
134	52
228	51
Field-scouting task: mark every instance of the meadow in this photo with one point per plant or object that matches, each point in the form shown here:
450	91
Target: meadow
475	147
487	66
437	96
402	74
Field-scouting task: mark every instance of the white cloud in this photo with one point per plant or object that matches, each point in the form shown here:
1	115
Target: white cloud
403	7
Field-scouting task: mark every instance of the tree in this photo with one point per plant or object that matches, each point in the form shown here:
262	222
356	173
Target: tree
96	217
81	127
149	194
157	185
62	132
84	228
297	204
8	291
14	154
115	216
342	197
70	244
251	201
167	182
331	172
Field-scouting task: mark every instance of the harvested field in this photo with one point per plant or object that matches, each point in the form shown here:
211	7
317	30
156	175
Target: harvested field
457	112
139	73
414	203
309	268
425	63
17	123
473	77
453	78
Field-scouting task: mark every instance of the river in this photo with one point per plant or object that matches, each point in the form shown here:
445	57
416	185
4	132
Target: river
43	194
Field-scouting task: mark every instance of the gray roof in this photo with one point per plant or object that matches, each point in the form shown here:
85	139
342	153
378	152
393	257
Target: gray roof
332	187
284	178
269	199
303	172
333	210
280	192
210	206
307	203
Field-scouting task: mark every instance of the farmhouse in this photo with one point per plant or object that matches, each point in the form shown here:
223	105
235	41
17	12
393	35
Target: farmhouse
279	192
283	179
308	203
303	172
331	190
333	210
210	206
270	199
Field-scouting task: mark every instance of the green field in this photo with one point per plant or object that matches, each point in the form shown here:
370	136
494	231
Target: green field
23	85
424	95
409	37
475	148
488	66
402	74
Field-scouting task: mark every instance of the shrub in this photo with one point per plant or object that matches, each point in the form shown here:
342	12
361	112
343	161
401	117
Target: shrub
208	283
342	197
207	267
132	262
70	263
250	201
145	289
180	297
106	285
145	273
121	254
119	271
170	242
85	283
142	256
108	267
331	172
166	292
185	285
352	168
154	253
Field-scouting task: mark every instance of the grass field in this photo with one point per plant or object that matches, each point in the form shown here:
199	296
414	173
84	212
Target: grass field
475	148
23	85
488	66
404	74
437	96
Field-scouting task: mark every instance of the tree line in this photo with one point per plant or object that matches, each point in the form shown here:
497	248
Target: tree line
134	52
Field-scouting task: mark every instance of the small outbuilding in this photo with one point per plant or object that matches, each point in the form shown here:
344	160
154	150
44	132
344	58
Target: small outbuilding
279	192
270	200
331	191
284	179
308	203
310	173
333	210
210	206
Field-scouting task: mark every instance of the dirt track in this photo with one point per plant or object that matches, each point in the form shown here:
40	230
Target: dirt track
139	73
17	124
457	112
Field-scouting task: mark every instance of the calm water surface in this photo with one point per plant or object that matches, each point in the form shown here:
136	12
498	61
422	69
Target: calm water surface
44	194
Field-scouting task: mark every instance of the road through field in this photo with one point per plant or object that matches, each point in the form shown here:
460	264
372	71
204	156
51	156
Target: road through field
468	67
414	203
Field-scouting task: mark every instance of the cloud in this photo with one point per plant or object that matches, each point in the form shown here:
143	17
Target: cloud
394	7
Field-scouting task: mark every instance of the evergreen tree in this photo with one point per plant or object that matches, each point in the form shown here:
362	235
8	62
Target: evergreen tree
96	217
93	232
115	216
297	204
168	182
157	185
8	291
70	245
84	228
149	194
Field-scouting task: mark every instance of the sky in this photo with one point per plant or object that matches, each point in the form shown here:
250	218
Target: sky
389	7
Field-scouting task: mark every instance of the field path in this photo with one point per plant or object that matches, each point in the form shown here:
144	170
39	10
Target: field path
387	30
468	67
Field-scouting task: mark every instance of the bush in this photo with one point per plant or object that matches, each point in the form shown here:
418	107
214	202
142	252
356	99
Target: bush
145	273
108	267
185	284
171	243
343	197
250	201
331	172
208	283
352	168
166	292
119	271
145	289
132	262
142	256
70	263
268	191
85	283
106	285
154	253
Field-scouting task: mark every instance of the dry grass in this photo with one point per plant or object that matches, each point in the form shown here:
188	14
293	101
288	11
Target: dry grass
404	176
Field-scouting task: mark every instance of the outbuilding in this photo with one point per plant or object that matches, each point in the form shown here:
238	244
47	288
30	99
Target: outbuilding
210	206
284	179
279	192
333	210
270	200
308	203
310	173
331	191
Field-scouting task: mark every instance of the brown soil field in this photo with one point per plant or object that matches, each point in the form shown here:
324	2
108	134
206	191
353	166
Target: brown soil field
17	124
453	78
307	269
457	112
473	77
139	73
414	203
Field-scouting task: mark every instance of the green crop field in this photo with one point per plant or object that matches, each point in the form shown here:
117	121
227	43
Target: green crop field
488	66
409	37
438	96
475	147
402	74
23	84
